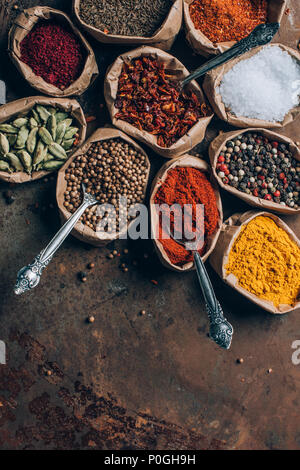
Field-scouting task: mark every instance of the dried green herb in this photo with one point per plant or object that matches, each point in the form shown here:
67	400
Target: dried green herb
126	17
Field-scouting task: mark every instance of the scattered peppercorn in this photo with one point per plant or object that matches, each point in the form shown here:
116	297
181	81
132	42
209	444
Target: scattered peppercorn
91	319
240	360
258	166
49	372
82	276
9	197
91	265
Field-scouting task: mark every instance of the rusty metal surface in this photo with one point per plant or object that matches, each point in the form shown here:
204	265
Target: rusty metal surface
129	381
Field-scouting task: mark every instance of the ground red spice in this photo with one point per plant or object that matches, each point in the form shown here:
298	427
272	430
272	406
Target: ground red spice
54	53
148	99
187	185
227	20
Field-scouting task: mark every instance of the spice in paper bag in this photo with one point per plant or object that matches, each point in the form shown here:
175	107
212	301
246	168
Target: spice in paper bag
51	54
169	121
260	167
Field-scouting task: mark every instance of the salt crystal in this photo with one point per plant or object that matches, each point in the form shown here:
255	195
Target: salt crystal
265	86
2	92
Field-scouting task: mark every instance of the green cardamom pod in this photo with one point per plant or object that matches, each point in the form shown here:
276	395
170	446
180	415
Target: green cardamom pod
51	109
68	122
60	116
52	165
43	113
22	138
26	160
52	126
8	128
58	151
48	156
12	139
67	144
4	166
45	135
33	123
14	161
70	133
60	132
32	139
40	153
36	116
4	144
20	122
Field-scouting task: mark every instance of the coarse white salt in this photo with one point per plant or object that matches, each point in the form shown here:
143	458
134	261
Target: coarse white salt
265	86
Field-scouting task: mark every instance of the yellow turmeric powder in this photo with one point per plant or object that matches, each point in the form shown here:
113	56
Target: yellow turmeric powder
266	262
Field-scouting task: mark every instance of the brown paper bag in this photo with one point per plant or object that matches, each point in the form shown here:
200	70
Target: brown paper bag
214	78
219	259
20	28
163	38
193	137
189	161
202	45
13	109
215	149
81	231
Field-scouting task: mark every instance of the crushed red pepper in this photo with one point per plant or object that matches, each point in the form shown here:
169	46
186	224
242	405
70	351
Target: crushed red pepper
148	99
227	20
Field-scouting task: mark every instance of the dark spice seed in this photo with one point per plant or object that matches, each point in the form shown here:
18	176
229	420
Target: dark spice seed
127	18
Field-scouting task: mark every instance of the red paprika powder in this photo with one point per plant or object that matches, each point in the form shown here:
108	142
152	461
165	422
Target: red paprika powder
54	53
227	20
187	185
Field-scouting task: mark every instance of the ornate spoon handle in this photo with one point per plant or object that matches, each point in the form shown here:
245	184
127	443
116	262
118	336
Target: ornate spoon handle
260	36
221	330
29	276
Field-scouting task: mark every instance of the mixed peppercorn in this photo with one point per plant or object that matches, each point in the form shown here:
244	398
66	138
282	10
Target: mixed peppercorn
260	167
148	99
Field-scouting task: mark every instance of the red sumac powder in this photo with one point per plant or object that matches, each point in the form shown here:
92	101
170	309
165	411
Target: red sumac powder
54	53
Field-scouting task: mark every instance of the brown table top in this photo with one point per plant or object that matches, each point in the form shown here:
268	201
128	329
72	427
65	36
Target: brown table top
129	381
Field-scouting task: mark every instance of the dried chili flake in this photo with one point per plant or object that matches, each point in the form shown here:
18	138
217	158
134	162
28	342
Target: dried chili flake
150	100
227	20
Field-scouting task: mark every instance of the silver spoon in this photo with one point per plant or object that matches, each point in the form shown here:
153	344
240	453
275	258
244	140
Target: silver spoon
29	276
221	331
260	36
